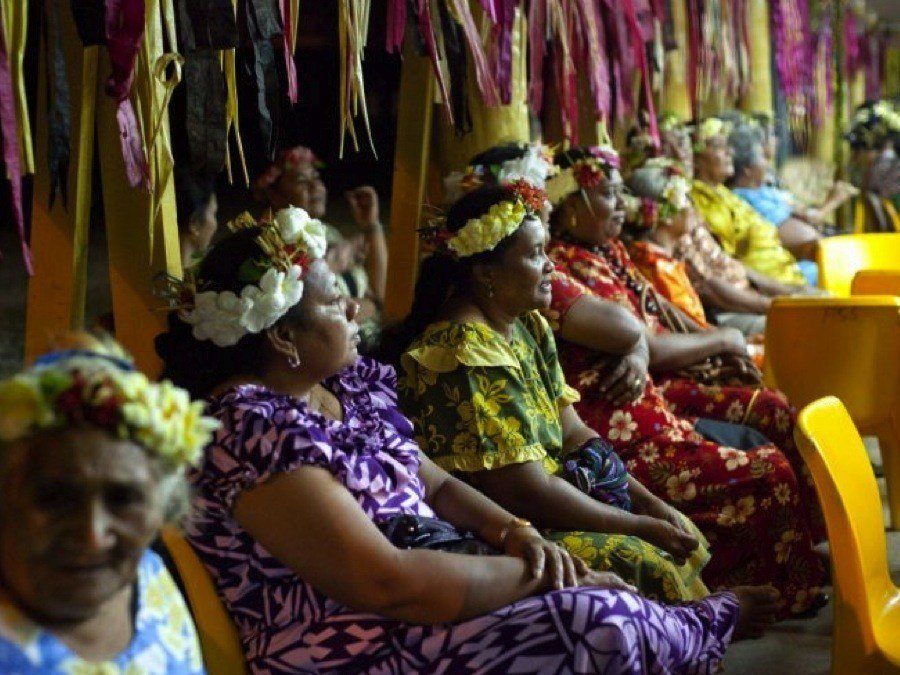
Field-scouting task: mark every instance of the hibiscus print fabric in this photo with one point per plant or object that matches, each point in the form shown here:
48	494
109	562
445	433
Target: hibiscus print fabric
732	496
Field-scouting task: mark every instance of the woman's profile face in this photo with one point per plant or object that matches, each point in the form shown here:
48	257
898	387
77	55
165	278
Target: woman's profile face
328	338
716	159
78	509
521	280
599	212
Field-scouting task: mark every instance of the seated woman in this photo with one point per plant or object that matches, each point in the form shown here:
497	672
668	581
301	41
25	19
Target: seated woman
663	216
731	495
797	225
323	526
483	386
874	138
742	232
91	455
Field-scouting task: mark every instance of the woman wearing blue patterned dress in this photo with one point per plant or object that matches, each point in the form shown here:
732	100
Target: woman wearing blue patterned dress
316	515
91	454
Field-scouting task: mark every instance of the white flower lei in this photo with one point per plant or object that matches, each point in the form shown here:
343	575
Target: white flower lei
225	317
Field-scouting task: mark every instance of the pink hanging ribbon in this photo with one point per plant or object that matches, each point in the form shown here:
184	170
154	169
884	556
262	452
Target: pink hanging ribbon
483	76
505	11
693	52
537	26
396	25
640	55
594	56
124	30
9	127
423	14
289	64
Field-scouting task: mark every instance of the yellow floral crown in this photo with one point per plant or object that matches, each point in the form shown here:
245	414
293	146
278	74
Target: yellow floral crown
710	128
502	219
100	386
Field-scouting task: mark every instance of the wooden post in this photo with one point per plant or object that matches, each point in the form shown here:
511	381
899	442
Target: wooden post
758	98
675	96
56	292
411	155
141	244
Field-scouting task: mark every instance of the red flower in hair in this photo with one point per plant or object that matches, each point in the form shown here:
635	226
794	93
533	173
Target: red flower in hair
649	212
588	174
532	197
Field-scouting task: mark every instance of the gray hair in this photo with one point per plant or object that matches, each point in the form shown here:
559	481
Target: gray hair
746	142
648	181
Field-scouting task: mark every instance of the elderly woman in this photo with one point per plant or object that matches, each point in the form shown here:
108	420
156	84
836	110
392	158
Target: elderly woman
662	217
796	224
361	571
742	232
874	138
730	494
91	454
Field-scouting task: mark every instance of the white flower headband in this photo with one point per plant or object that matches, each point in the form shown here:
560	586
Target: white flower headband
274	284
535	166
585	173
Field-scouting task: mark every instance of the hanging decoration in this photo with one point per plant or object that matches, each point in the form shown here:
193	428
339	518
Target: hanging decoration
790	39
9	127
353	29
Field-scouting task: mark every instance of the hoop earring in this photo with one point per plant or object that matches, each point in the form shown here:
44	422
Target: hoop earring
490	289
294	361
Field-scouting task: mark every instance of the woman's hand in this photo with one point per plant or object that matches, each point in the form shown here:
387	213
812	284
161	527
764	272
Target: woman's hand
663	534
364	206
609	580
655	507
625	382
545	558
732	341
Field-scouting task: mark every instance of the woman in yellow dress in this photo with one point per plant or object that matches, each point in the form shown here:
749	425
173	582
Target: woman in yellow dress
482	381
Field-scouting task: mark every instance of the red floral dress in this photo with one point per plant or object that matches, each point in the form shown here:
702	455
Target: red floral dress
735	497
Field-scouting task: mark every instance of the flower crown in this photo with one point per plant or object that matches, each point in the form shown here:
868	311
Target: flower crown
674	198
535	165
485	232
874	125
584	173
78	386
710	128
273	283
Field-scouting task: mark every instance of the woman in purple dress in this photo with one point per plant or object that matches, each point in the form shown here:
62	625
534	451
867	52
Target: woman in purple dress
321	523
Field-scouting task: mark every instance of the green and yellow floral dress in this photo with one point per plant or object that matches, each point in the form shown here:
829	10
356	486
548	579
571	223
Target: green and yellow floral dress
481	402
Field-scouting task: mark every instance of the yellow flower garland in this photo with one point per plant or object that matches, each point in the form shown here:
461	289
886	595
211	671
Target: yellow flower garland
483	234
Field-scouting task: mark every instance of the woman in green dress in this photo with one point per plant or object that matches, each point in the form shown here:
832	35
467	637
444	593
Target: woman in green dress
483	384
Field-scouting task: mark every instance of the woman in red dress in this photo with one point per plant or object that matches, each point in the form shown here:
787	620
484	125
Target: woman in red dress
734	496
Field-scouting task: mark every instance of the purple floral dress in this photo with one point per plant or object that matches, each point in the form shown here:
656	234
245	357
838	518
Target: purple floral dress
287	626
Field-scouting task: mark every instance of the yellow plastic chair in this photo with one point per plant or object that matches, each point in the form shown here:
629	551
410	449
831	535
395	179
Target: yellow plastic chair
219	640
840	258
844	347
866	638
876	282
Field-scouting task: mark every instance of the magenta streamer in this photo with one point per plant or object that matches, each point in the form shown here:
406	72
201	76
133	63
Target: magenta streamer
596	60
124	30
506	15
11	149
289	65
537	27
396	25
423	14
483	76
640	55
490	8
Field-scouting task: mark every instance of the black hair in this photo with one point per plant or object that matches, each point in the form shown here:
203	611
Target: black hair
193	191
566	159
200	365
442	276
499	154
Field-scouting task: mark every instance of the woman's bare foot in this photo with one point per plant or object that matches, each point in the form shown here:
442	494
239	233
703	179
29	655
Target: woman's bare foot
758	606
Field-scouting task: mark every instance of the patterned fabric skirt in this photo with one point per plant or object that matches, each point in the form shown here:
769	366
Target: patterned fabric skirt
650	569
766	410
583	630
748	504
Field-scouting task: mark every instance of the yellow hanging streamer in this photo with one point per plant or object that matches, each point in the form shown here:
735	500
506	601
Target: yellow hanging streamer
353	27
232	119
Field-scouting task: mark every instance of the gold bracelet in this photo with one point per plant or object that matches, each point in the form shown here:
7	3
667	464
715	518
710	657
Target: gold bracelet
513	524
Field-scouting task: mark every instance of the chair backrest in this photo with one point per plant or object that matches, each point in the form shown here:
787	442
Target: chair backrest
840	258
834	452
876	282
844	347
222	650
